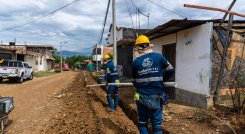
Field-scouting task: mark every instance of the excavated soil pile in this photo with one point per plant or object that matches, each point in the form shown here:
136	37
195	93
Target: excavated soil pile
83	111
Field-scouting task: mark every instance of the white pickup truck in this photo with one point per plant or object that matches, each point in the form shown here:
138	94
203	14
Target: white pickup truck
15	70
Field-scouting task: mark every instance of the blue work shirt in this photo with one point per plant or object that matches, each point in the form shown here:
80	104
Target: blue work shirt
149	72
111	72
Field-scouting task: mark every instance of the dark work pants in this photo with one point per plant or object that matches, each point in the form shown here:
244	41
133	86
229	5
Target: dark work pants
149	107
112	90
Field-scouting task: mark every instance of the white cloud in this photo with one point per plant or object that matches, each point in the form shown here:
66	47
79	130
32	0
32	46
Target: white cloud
80	23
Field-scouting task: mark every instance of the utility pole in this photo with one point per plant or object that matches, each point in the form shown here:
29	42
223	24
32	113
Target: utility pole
96	57
61	55
114	33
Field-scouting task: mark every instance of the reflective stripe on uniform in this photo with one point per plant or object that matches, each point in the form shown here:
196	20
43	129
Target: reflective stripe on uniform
150	79
169	67
142	122
114	74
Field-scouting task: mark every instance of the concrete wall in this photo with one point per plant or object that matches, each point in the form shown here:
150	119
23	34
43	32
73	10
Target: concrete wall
193	63
31	61
43	63
168	39
193	60
119	36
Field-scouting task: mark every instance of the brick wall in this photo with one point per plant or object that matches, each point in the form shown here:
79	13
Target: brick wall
234	58
107	50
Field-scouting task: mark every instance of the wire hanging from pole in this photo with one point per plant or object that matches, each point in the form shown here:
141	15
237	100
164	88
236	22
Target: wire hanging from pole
148	21
139	18
163	7
104	23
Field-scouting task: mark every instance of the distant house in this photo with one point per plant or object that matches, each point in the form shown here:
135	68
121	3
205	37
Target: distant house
125	39
101	50
194	49
38	56
6	53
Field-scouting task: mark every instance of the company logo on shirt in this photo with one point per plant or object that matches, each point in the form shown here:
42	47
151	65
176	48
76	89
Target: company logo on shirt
147	62
147	67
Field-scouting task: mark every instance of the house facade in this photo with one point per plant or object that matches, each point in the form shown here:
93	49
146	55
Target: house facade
37	56
7	53
189	47
98	52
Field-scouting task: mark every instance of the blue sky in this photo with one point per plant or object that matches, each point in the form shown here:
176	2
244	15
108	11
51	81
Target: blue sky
80	24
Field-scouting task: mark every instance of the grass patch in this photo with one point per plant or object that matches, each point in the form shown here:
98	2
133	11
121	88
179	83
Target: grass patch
43	74
202	116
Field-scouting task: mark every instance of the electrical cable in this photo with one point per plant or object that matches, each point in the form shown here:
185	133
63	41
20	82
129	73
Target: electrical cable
44	12
130	14
163	7
104	23
34	20
221	12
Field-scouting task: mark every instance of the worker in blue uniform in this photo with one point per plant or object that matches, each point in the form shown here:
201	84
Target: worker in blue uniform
150	70
111	77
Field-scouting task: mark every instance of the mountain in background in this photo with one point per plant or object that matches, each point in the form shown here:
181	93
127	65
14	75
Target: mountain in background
72	53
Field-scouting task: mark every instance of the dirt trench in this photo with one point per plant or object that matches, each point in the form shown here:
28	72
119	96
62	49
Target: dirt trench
83	111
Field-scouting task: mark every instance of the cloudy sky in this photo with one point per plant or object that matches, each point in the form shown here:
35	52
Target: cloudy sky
80	23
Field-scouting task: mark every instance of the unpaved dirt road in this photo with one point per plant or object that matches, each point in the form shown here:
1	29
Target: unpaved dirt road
60	104
33	101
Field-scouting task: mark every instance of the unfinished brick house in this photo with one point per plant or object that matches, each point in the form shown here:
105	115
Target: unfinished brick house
38	56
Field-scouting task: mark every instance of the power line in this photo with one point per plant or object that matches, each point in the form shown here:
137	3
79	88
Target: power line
45	12
130	13
221	12
104	23
34	20
167	9
138	12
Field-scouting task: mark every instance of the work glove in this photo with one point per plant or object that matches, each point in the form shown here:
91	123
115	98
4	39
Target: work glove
136	96
117	81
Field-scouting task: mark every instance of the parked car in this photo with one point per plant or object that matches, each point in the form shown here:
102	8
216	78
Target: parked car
65	67
15	70
57	68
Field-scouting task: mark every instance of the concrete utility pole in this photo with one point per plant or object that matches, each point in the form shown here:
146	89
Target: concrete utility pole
96	57
61	55
114	32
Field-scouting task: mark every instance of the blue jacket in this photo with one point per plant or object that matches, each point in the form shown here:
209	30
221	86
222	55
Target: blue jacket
111	72
150	71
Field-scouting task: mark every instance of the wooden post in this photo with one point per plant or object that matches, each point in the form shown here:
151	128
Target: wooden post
214	9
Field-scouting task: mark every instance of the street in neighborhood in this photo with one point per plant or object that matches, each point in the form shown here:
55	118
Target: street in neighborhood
34	102
42	106
122	67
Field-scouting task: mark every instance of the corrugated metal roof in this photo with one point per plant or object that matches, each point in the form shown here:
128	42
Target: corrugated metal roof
178	25
172	27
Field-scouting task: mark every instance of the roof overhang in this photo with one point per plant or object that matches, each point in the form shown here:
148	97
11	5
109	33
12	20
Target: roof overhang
122	42
173	26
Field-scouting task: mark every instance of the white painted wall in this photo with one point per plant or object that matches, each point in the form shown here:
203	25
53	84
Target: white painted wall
168	39
99	56
193	61
31	61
